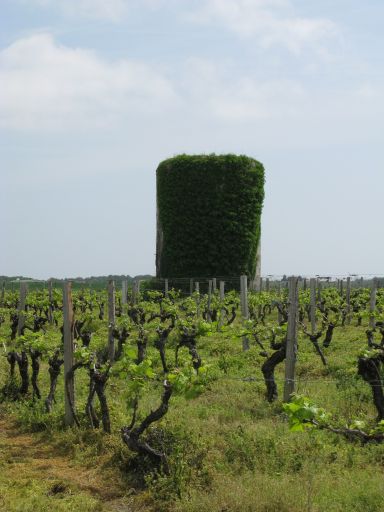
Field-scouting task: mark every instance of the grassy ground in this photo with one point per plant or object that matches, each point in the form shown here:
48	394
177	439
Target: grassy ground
37	475
229	450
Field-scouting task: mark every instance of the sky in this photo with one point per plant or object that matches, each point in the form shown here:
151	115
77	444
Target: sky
95	93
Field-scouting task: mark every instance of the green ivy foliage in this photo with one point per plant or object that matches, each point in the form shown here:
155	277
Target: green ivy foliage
209	209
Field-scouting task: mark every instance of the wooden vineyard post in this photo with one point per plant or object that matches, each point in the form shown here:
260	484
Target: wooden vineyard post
267	285
21	309
348	300
111	320
312	291
214	284
50	300
135	291
222	296
69	383
166	288
279	315
244	307
124	291
305	284
291	350
244	297
318	283
197	290
372	304
210	285
222	290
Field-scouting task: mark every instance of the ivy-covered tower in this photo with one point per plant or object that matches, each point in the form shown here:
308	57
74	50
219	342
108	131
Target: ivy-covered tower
208	215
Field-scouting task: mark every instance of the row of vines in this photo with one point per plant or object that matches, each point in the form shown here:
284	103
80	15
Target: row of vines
160	349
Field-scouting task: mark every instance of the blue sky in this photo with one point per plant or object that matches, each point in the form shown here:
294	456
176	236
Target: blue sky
95	93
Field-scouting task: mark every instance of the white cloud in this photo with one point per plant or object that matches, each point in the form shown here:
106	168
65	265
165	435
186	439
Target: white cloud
219	93
249	100
112	10
106	9
272	22
47	85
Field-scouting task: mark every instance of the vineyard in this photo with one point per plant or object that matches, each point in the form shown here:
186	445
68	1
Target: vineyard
158	397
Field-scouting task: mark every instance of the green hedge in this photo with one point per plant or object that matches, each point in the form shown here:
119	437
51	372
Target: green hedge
209	209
